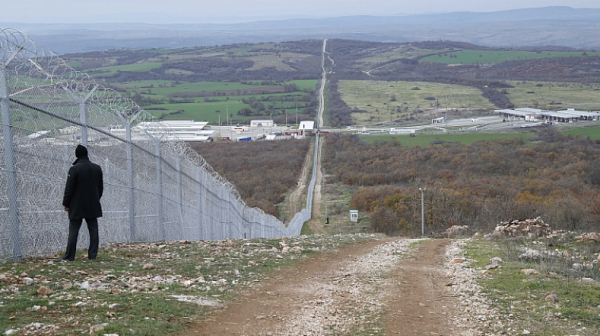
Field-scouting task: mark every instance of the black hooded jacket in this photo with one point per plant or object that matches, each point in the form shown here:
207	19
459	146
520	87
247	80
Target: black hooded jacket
84	189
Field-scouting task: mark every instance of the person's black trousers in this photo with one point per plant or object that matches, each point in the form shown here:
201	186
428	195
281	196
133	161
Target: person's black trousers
74	226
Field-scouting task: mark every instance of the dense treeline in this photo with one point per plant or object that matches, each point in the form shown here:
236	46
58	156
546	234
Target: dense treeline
261	171
479	185
338	112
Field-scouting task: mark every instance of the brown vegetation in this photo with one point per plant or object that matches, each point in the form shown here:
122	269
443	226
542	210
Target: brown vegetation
261	171
478	185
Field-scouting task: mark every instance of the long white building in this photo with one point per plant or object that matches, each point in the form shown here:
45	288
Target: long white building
565	116
170	130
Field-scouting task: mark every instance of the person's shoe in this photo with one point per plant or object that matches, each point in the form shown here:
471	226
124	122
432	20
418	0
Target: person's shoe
63	259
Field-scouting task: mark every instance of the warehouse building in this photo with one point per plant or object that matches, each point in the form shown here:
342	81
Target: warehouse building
531	114
169	130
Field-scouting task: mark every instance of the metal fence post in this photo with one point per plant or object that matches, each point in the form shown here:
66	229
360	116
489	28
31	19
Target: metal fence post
132	228
9	158
82	112
228	217
207	207
159	193
179	194
222	214
199	180
83	119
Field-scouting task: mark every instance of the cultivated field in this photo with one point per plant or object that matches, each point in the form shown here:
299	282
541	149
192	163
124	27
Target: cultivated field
376	101
497	56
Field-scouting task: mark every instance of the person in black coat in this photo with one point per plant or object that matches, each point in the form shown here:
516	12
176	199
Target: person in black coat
82	200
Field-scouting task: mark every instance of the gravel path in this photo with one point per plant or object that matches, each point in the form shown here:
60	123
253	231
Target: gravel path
380	287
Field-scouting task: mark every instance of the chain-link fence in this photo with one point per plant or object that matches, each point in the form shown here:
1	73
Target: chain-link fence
155	190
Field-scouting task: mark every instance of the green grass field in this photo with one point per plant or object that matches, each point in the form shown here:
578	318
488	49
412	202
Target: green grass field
591	132
488	56
423	140
140	67
200	110
403	51
555	96
385	101
168	87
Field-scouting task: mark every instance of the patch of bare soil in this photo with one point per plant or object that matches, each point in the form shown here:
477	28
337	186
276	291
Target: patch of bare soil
316	224
348	292
295	198
418	302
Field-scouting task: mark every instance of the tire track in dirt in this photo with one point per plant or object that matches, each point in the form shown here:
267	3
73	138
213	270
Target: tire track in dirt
419	303
295	198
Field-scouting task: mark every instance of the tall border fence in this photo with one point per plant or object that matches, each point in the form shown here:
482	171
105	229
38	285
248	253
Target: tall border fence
155	190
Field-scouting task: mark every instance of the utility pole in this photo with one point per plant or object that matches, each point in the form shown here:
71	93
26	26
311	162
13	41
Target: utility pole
422	211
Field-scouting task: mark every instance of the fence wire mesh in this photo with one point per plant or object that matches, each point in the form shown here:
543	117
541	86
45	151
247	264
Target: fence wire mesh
155	189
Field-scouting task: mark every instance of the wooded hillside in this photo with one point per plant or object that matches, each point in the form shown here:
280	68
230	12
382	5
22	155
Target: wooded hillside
479	185
263	172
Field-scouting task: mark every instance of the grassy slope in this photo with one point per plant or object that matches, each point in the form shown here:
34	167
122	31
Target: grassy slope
373	95
591	132
555	96
493	56
523	296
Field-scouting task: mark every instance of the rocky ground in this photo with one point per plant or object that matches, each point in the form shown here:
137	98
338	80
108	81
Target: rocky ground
386	287
315	285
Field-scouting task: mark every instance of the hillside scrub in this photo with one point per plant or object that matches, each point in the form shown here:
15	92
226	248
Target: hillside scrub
263	172
479	184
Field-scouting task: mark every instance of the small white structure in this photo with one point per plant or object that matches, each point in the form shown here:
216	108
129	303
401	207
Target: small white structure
354	215
438	120
402	131
70	130
306	127
239	129
37	134
262	123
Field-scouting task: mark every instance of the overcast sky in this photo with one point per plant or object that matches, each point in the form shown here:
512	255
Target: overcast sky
212	11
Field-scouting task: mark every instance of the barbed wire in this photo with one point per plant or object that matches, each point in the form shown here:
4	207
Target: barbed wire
156	189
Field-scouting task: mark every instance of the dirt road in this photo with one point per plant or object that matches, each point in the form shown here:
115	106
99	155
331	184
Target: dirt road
354	290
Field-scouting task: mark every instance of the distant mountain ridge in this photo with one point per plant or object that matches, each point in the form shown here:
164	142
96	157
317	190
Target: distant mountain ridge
559	25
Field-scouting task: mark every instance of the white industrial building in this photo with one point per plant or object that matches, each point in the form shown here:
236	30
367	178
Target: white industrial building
262	123
306	127
169	130
565	116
